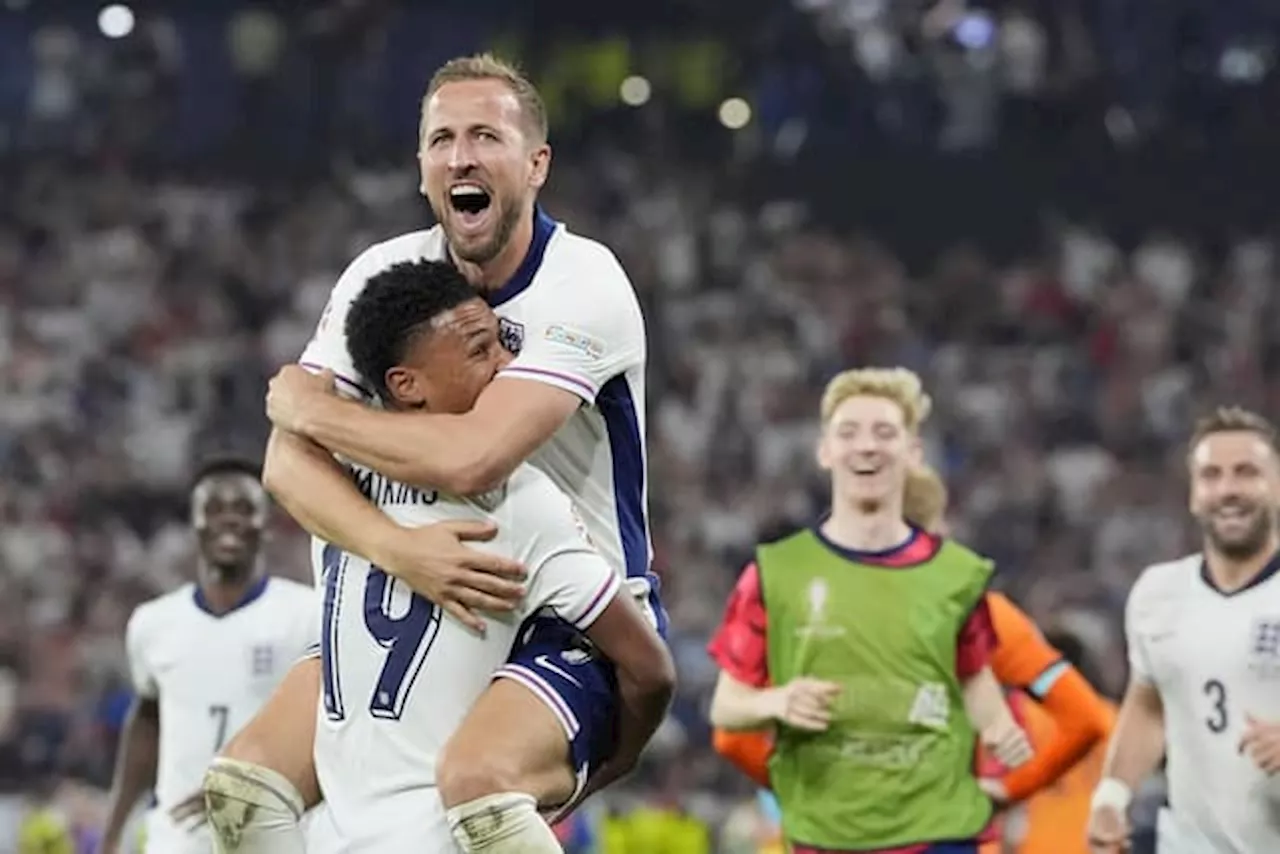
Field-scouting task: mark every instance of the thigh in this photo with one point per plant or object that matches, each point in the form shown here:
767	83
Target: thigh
547	720
282	733
557	666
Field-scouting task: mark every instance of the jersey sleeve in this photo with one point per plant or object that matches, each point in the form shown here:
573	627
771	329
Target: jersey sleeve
740	644
306	623
1136	615
136	642
596	333
1022	658
977	641
328	346
578	584
566	573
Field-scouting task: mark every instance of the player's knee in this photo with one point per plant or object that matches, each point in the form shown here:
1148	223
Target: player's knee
244	800
503	823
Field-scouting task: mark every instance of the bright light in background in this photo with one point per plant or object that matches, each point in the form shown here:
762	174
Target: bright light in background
735	113
116	21
635	91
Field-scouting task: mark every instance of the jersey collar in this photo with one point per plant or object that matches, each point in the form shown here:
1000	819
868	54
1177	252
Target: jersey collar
543	227
254	592
1272	567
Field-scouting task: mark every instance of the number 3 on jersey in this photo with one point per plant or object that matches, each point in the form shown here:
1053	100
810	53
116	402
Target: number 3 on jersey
407	638
1217	694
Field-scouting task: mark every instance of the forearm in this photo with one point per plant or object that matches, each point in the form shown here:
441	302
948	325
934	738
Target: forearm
1081	719
315	490
1137	744
737	706
429	451
135	770
984	701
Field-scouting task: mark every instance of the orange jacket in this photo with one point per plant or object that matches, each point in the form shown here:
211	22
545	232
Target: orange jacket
1023	661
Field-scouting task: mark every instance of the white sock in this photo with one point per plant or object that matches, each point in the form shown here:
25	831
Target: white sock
507	823
251	809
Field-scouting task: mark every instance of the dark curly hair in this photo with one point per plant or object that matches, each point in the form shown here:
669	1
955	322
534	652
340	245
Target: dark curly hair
395	306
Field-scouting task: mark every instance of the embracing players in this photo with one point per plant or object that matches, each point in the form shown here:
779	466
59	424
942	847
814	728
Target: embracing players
1204	661
572	402
204	658
398	679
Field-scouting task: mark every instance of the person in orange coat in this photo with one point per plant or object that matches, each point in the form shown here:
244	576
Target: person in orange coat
1023	661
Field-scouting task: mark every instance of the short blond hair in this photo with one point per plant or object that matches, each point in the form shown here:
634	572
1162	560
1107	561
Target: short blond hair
486	66
897	385
1235	419
924	499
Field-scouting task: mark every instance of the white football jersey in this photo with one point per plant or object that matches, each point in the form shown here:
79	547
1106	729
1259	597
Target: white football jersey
210	675
399	677
1215	659
572	318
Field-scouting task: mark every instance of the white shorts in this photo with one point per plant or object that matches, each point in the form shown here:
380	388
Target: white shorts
408	824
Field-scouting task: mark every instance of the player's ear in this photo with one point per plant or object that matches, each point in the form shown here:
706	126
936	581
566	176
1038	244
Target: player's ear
820	452
541	157
405	387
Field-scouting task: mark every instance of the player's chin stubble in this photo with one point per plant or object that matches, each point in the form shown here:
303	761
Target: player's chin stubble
1248	545
486	252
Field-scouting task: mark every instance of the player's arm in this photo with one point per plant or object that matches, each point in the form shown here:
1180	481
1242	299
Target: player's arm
315	490
139	748
1137	743
580	586
565	360
646	678
463	454
983	695
1024	659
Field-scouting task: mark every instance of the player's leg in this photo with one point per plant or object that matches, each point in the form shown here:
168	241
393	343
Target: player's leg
528	744
257	789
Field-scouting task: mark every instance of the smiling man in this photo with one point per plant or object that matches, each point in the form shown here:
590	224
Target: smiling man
1204	661
865	641
204	658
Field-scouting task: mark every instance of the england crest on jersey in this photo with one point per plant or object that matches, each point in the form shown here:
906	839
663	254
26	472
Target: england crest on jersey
1264	653
511	335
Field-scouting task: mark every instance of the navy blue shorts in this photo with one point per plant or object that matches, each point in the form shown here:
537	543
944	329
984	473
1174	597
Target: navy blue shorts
559	665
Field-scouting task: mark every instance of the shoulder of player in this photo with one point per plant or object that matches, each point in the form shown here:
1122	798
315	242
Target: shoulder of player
413	246
1166	578
157	611
583	262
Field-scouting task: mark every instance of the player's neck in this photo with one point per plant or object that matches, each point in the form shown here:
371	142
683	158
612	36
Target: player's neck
223	593
1230	574
492	275
857	531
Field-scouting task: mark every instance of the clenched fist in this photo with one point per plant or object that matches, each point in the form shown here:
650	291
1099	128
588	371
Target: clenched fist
805	703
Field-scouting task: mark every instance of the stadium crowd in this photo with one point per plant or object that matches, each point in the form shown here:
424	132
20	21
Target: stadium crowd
143	308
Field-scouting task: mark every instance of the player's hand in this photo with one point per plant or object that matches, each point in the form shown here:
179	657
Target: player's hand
191	808
434	561
292	392
1261	742
995	790
1108	831
1008	743
805	703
